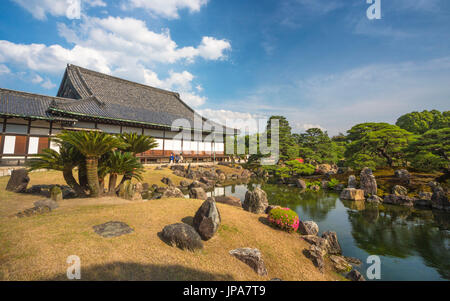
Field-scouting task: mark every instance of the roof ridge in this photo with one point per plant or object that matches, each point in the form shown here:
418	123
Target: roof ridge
36	95
123	80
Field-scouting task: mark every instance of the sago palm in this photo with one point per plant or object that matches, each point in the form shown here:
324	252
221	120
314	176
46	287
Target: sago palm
137	144
92	145
123	164
65	160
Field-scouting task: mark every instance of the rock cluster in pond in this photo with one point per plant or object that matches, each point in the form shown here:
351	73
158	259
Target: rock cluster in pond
172	192
352	194
374	199
197	193
308	228
439	199
251	257
368	182
229	200
182	236
255	201
403	175
18	181
300	183
207	219
112	229
401	200
399	190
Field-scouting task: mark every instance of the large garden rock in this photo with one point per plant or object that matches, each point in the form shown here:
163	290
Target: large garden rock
315	254
333	244
368	182
354	275
340	264
308	228
317	241
424	199
352	194
229	200
197	193
403	175
439	199
112	229
18	181
399	190
352	183
300	184
207	219
399	200
251	257
46	203
196	184
183	236
167	181
374	199
172	192
256	201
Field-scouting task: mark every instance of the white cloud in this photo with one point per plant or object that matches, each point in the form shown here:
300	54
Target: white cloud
124	47
48	84
166	8
4	69
58	8
37	79
246	122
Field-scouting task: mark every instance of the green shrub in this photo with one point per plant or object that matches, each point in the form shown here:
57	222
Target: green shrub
313	183
333	183
284	218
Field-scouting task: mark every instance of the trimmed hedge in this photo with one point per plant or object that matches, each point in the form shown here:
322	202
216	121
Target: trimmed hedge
284	218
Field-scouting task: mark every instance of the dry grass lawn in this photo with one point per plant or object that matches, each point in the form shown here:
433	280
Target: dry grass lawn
36	248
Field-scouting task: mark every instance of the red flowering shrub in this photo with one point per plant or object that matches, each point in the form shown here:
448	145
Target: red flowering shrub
284	218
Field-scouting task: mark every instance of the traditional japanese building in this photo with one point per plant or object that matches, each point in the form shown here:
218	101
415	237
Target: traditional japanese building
89	100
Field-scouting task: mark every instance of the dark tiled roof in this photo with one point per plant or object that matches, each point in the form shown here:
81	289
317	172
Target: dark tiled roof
106	96
22	104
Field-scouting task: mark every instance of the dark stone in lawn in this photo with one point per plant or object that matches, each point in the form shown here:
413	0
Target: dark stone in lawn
207	219
46	203
18	181
183	236
112	229
167	181
33	211
251	257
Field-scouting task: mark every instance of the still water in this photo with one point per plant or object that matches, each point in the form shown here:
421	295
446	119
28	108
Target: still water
412	244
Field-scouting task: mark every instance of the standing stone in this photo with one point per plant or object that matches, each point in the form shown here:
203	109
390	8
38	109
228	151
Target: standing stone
197	193
56	194
207	219
352	194
399	190
251	257
256	201
333	244
352	182
300	183
368	182
183	236
18	181
308	228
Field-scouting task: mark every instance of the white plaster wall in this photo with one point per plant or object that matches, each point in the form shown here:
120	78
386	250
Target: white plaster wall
109	128
33	145
10	142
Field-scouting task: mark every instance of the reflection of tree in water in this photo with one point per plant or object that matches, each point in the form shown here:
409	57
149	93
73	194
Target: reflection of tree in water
315	205
402	232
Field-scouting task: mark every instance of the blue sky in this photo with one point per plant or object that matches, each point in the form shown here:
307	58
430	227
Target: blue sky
321	63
